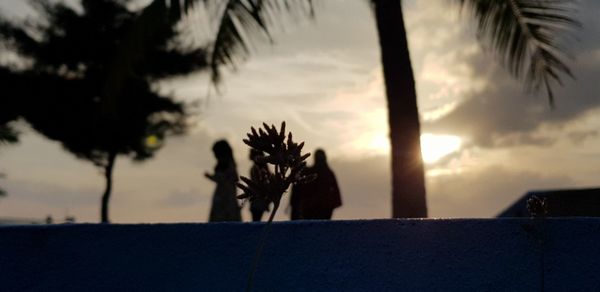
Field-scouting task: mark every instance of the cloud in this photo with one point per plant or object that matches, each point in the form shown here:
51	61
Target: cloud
485	192
482	192
37	199
501	114
47	180
56	195
320	79
365	187
184	199
578	137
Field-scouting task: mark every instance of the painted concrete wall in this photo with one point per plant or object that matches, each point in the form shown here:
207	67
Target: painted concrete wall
377	255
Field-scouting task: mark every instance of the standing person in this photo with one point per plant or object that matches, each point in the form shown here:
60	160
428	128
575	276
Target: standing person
258	172
318	198
295	205
224	203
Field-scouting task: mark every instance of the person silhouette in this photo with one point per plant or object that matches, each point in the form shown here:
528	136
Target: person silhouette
318	198
224	203
258	171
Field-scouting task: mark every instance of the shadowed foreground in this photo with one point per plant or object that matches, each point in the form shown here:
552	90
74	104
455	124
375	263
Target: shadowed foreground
374	255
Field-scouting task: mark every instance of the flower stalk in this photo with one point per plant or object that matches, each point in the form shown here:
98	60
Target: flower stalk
288	163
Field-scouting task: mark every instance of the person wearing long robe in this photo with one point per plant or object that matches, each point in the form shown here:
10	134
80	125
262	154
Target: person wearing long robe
224	202
318	198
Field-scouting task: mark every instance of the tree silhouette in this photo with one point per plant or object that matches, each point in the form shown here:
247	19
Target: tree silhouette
2	191
8	112
523	32
8	135
89	84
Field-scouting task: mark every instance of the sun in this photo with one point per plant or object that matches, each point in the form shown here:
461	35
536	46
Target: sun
435	147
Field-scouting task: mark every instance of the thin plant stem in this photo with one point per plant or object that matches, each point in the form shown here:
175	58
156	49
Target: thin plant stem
261	244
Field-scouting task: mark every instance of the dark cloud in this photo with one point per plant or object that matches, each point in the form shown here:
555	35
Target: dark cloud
503	114
485	193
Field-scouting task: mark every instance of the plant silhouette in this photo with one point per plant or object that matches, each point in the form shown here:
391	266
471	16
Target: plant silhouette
523	32
85	79
289	164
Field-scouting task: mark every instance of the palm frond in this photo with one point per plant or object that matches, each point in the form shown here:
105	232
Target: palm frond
525	33
241	23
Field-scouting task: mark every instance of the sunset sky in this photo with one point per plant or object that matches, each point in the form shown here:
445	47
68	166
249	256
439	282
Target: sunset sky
486	141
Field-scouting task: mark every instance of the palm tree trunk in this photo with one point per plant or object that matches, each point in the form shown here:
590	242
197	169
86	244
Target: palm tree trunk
408	181
108	170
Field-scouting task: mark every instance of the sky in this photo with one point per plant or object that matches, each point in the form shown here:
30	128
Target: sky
487	140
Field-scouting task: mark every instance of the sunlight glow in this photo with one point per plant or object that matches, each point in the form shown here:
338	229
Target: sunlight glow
380	143
435	147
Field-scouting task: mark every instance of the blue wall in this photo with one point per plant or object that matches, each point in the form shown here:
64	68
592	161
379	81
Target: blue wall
374	255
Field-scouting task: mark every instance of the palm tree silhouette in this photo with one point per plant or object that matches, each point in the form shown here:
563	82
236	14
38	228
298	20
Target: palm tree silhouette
523	33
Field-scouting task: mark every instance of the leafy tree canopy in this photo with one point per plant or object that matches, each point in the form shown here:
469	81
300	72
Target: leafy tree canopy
88	76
